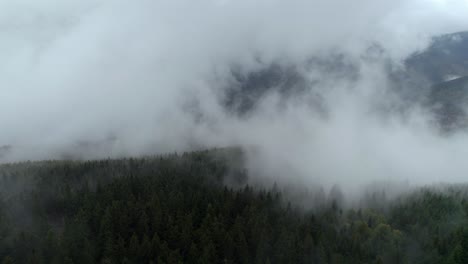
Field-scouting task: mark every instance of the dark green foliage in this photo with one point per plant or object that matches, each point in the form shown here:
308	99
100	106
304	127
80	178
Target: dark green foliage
177	209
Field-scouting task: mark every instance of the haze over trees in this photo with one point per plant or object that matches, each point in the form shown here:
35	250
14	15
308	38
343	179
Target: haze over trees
177	208
233	131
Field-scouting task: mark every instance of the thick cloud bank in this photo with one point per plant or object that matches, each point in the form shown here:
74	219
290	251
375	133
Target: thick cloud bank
112	78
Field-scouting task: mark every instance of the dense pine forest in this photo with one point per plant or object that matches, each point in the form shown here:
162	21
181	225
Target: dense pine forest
198	208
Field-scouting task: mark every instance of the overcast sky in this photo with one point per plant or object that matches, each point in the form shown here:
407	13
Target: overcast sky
129	71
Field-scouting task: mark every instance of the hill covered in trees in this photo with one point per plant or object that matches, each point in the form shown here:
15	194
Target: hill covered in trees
197	208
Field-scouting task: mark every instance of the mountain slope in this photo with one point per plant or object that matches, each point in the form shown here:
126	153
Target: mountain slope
449	101
445	59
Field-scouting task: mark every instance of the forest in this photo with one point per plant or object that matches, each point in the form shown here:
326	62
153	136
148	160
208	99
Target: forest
198	207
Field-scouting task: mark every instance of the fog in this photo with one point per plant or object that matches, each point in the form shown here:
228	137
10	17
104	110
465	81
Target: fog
97	79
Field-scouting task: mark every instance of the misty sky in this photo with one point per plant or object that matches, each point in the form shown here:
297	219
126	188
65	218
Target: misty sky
114	78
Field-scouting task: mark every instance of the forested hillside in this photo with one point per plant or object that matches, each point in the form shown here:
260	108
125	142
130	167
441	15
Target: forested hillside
180	209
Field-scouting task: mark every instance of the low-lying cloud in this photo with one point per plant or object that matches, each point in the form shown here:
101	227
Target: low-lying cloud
114	78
